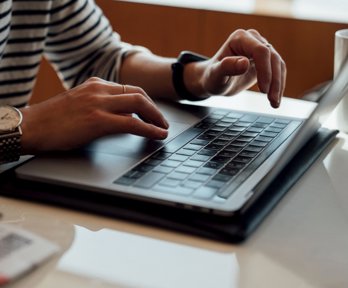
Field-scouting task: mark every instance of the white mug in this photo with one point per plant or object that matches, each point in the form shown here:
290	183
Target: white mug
341	56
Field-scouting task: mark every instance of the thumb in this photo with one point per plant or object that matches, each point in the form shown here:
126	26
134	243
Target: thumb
221	71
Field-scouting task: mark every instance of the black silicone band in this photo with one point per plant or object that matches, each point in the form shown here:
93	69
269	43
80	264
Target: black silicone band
184	58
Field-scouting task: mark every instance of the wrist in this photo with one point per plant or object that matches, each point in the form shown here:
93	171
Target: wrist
187	74
193	79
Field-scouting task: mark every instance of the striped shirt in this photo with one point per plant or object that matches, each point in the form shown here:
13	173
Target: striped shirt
73	35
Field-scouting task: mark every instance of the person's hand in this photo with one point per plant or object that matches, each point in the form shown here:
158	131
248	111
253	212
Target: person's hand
246	57
94	109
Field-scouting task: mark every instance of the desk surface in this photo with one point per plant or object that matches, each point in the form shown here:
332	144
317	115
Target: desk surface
303	243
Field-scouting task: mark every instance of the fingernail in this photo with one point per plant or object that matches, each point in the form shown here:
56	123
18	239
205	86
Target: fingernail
164	133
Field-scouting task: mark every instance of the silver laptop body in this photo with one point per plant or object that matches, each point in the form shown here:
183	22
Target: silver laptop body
161	175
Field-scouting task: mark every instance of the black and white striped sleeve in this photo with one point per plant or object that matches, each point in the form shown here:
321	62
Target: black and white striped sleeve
81	43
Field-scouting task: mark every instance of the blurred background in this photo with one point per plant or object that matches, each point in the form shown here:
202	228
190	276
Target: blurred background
301	30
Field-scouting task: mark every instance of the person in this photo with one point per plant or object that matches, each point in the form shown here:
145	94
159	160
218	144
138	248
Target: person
107	80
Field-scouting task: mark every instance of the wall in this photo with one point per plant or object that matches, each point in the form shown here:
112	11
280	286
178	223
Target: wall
306	46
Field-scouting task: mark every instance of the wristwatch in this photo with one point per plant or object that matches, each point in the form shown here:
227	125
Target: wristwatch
184	58
10	134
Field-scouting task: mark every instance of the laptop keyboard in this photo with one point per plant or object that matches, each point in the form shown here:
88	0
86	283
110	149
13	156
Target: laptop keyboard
221	151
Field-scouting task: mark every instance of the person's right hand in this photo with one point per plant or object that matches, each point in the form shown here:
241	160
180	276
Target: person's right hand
91	110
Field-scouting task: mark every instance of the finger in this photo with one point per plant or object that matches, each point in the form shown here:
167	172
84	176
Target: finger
123	124
99	85
284	72
135	103
275	90
221	72
249	44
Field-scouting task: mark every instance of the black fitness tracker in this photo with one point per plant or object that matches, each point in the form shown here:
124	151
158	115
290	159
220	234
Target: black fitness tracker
184	58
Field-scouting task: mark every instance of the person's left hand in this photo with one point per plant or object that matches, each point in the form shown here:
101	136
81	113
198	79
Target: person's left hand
246	57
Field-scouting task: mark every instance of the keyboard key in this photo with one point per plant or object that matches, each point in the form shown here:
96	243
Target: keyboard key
239	143
149	180
273	129
259	143
246	153
222	177
229	119
263	138
192	184
193	163
163	169
205	192
206	137
214	165
232	148
171	163
134	174
213	132
282	121
243	124
229	171
223	124
278	125
199	177
169	182
202	125
242	159
268	134
193	147
220	159
255	129
253	148
236	128
199	142
185	169
177	176
259	125
235	165
213	147
207	152
225	137
220	142
266	120
249	134
231	133
215	184
174	190
244	138
206	170
126	181
249	118
217	129
143	168
227	154
234	115
186	152
198	157
178	157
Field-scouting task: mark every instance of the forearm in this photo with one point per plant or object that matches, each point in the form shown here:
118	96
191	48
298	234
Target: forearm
154	75
150	72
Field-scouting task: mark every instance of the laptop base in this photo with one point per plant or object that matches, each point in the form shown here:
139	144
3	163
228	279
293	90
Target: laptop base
228	229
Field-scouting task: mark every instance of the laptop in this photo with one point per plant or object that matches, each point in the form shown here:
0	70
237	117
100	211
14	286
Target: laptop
215	160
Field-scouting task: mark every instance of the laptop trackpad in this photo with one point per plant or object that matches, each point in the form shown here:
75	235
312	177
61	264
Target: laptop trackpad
133	146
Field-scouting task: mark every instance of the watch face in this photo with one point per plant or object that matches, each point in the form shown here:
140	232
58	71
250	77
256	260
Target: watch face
10	118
